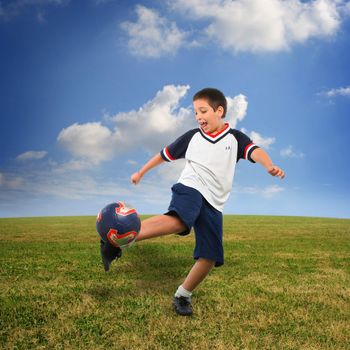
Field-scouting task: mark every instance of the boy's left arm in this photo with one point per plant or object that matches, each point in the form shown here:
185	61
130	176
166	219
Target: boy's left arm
261	157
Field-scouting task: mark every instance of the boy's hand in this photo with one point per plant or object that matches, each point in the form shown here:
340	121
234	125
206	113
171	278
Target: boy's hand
274	170
153	162
136	178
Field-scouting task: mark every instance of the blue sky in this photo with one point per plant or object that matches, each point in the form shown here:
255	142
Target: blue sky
90	90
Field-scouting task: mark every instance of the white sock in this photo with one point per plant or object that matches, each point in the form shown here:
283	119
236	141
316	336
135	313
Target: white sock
182	292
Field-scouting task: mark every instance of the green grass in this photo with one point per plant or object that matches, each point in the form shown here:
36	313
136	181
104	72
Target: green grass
284	285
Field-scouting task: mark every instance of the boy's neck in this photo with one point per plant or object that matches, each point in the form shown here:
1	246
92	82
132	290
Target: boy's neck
221	127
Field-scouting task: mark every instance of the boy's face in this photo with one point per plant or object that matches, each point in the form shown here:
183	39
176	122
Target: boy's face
210	121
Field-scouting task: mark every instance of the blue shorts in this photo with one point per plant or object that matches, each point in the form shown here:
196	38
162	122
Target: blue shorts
194	211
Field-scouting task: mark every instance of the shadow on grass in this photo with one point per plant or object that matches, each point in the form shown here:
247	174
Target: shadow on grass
146	269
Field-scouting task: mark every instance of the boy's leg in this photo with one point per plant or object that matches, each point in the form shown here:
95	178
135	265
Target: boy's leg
155	226
160	225
182	298
199	271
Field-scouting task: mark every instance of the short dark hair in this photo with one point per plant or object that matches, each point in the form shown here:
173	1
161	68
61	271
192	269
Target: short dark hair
214	97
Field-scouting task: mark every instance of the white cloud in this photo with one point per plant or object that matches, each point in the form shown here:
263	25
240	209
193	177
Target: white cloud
160	115
150	127
236	109
91	141
266	192
31	155
157	121
271	190
74	165
132	162
262	26
258	139
76	186
289	152
51	181
152	35
342	91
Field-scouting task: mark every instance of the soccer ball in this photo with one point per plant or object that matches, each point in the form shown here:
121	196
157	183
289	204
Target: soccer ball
118	225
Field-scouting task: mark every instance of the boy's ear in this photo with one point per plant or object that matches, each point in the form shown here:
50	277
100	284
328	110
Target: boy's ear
221	110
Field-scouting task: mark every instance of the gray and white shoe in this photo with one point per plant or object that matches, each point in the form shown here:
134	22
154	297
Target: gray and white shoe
183	306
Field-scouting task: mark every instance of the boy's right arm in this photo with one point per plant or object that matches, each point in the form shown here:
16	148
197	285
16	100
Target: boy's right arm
153	162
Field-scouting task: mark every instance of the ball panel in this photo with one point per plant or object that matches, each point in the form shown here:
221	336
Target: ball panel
121	240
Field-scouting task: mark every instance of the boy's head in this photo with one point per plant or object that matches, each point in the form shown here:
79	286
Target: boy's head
214	97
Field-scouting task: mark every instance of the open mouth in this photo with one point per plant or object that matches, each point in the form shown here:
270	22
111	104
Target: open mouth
203	124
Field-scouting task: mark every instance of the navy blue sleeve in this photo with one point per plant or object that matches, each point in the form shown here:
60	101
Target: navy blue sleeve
178	148
245	145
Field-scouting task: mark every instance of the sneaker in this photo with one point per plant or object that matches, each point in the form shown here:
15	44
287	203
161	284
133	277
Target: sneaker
109	253
182	306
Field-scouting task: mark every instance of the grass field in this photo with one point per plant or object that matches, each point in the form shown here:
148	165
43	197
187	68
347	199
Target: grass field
285	285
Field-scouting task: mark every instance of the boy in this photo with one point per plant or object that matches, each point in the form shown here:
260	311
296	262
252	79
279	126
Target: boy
211	152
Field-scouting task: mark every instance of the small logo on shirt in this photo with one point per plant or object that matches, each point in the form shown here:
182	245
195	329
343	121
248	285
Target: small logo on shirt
227	148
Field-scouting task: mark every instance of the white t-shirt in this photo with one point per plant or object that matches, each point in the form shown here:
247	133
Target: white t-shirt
210	161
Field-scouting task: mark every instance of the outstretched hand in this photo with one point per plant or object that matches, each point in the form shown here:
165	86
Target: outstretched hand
274	170
135	178
153	162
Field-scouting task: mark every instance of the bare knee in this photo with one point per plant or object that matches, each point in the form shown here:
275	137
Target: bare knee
206	262
160	225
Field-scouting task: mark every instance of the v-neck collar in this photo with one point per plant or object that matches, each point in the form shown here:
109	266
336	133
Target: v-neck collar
217	136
